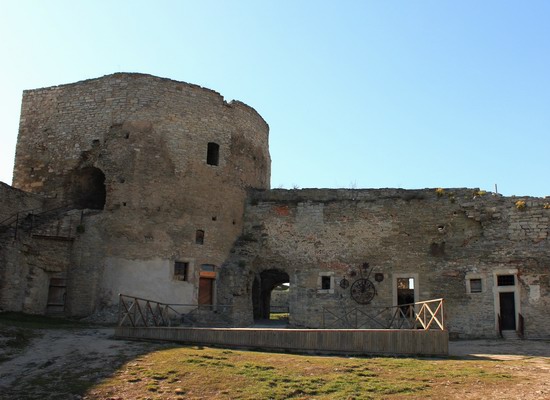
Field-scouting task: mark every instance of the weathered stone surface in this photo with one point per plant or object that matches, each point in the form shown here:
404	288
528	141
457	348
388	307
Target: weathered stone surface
16	201
135	148
398	233
149	172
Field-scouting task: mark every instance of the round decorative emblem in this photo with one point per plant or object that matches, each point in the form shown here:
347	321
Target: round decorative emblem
344	283
362	291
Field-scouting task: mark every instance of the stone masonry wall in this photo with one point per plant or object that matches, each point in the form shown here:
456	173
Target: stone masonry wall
12	273
440	238
14	201
148	137
61	128
127	157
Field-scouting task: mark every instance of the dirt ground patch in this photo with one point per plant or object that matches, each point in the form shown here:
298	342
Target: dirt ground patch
528	360
61	364
66	364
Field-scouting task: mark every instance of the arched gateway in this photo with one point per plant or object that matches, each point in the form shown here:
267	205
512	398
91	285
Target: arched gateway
263	285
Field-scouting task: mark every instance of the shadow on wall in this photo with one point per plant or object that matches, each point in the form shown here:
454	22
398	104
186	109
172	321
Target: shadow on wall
87	188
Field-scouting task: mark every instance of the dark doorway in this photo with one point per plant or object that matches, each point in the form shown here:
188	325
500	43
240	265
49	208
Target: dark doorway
263	285
405	295
507	310
88	188
405	291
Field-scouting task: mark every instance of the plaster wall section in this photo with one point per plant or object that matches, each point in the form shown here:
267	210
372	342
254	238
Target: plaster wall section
153	280
440	239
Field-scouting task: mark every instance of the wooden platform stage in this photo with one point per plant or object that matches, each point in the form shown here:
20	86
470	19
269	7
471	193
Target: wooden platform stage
320	341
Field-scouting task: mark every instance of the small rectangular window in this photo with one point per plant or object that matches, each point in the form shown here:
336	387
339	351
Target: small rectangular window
505	280
181	269
199	236
405	283
208	267
208	271
475	286
213	154
325	282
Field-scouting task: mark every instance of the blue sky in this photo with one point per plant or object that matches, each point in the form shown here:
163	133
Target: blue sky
363	94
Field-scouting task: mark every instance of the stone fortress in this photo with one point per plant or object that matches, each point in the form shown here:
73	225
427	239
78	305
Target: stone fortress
159	189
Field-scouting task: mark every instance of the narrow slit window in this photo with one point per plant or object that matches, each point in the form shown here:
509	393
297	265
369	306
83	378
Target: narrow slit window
199	236
213	154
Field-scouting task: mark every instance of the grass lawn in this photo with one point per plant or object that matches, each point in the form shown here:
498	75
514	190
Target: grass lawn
82	361
200	372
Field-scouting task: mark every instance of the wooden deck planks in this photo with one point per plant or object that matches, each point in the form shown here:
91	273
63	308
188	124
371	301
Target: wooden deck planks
327	341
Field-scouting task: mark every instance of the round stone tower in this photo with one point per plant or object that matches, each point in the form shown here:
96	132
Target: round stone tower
168	163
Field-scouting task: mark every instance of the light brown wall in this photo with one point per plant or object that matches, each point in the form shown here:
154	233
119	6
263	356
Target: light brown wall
149	137
439	238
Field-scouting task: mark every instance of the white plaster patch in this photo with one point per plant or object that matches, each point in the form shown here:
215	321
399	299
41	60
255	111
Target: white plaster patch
148	279
534	292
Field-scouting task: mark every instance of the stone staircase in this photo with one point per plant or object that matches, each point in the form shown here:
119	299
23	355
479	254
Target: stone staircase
56	223
510	335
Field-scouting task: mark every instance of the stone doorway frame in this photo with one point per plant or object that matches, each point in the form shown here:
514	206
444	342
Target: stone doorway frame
506	289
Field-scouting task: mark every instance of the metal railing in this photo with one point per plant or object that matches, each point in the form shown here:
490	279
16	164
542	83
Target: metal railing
420	315
138	312
26	218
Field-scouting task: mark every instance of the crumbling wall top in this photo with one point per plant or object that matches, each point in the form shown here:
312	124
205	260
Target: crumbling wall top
129	76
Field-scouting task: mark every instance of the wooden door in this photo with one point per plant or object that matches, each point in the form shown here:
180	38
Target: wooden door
206	291
56	296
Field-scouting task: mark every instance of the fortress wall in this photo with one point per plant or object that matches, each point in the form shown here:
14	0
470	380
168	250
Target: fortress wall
59	124
148	139
442	241
133	155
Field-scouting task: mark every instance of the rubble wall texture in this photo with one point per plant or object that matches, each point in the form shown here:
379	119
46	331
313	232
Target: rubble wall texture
15	206
148	171
149	138
15	201
442	239
26	266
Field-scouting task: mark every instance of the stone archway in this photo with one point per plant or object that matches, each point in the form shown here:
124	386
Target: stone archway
263	285
87	188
